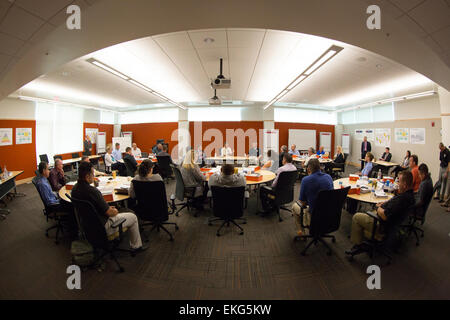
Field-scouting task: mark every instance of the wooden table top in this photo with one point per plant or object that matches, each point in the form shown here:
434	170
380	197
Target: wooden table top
385	163
73	160
111	183
234	158
12	175
320	160
266	174
364	197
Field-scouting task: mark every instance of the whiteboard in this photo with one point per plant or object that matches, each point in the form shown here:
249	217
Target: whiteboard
346	143
124	142
325	141
303	139
101	142
270	140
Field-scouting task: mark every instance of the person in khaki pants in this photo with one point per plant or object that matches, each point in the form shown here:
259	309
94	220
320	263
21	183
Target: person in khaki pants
311	185
388	211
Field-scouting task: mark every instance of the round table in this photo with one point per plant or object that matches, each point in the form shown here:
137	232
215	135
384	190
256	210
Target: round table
322	161
267	176
363	197
113	183
229	158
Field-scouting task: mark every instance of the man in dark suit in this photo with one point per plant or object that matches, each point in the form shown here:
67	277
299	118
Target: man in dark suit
387	155
87	146
365	147
129	158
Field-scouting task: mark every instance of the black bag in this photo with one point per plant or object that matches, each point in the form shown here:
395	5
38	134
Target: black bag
82	253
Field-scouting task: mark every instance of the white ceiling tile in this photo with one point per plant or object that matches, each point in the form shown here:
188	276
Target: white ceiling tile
43	8
43	32
407	5
20	23
432	15
412	26
4	6
9	44
4	60
443	38
198	37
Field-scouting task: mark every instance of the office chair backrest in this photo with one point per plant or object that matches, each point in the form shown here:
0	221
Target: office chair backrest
151	200
284	190
47	209
228	202
129	166
144	154
391	229
91	225
326	216
36	172
180	188
43	158
75	155
164	166
57	157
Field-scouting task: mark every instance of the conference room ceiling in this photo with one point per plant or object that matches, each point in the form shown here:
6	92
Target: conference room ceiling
259	62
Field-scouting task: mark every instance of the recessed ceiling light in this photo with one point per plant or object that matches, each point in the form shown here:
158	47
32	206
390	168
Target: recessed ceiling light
65	74
361	59
379	66
208	40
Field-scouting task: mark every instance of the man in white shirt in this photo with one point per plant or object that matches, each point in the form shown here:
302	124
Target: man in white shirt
311	155
226	151
135	151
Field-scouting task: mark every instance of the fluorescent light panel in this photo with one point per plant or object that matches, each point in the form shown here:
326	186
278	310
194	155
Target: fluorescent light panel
324	58
132	81
35	99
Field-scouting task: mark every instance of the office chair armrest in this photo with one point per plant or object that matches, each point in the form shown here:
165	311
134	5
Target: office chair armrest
118	223
377	219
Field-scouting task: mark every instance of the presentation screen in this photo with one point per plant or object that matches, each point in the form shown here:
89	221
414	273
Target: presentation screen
303	139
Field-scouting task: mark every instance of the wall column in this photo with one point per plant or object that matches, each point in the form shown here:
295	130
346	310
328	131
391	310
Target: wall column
184	138
444	101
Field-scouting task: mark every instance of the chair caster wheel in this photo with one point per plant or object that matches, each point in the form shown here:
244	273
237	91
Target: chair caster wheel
417	244
46	234
279	220
146	240
209	224
121	270
171	239
218	234
241	233
350	258
176	214
333	240
303	254
133	254
329	253
422	236
176	228
245	222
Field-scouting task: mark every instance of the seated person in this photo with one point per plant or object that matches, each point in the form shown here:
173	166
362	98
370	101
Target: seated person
112	163
294	151
339	157
254	151
130	159
403	166
193	177
425	193
145	173
226	151
227	178
265	191
270	162
368	165
83	190
57	179
51	199
309	189
389	212
117	153
284	150
386	155
164	153
136	151
321	151
413	167
200	156
96	173
311	155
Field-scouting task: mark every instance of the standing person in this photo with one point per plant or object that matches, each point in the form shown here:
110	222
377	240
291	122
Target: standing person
311	185
136	151
117	154
365	147
57	179
444	158
403	166
294	151
386	155
107	214
413	161
87	146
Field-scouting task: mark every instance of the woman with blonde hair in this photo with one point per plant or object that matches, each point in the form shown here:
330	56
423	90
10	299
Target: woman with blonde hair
192	176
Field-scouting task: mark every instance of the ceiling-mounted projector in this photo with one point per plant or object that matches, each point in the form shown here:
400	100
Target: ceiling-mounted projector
220	82
215	100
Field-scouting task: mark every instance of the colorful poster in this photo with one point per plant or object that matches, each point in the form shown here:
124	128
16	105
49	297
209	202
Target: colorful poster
370	134
359	134
92	134
383	137
6	136
417	135
24	135
401	135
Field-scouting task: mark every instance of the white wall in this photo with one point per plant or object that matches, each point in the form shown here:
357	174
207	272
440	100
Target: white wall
421	108
16	109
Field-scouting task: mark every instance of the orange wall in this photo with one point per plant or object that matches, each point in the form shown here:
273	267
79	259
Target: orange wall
19	156
146	134
223	126
284	127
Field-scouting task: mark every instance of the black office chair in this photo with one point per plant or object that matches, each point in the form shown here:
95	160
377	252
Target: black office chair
51	212
181	192
283	193
43	158
325	218
417	215
95	233
130	172
75	155
151	205
67	167
339	168
228	205
144	154
391	236
164	168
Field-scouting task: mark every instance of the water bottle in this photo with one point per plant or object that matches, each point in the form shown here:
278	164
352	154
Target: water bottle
5	172
379	174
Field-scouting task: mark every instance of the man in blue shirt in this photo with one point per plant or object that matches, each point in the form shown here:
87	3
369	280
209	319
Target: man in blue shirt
51	199
311	185
368	166
293	151
117	154
321	151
